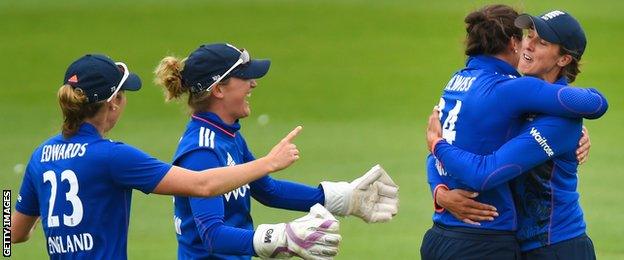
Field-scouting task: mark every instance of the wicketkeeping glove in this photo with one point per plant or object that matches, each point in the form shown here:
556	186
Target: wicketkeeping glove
374	197
313	236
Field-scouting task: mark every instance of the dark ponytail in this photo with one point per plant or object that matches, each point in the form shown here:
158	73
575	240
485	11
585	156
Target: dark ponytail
489	30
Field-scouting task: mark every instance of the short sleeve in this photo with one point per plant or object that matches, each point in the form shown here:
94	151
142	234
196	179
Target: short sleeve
135	169
27	199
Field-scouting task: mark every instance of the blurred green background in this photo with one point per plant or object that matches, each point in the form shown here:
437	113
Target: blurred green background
360	76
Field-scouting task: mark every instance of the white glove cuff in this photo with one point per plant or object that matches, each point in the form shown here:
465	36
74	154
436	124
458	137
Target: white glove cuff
337	197
267	239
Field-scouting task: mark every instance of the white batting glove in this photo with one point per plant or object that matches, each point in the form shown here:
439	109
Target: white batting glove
313	236
374	197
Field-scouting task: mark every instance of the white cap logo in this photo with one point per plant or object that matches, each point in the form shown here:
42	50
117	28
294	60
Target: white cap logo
552	15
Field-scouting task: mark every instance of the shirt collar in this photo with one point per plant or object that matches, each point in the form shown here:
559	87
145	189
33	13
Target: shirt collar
214	120
561	81
491	63
88	129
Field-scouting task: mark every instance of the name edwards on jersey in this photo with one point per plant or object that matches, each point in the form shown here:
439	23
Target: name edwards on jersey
56	152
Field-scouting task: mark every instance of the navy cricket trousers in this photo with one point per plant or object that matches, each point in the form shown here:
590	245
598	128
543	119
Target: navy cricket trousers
444	242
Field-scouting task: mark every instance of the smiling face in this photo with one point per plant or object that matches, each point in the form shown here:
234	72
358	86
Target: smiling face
541	58
234	98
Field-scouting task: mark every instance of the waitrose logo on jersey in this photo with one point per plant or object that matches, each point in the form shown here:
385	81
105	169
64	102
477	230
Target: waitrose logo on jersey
542	142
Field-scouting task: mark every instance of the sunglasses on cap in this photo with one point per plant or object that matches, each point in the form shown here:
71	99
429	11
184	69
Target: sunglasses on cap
243	59
123	68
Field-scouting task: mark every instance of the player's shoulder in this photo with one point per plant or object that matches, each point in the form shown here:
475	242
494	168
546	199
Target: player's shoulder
116	147
197	140
520	82
561	124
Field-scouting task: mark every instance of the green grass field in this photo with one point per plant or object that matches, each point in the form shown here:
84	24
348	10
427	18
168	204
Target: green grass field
360	76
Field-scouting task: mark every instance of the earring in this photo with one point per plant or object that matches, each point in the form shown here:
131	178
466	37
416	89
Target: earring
516	50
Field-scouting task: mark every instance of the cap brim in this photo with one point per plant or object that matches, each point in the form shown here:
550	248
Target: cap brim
253	70
525	21
133	83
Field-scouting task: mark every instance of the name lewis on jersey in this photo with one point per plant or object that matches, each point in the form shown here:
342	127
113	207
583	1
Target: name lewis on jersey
459	83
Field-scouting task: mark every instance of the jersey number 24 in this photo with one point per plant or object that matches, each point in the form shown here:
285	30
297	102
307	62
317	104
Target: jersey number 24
448	127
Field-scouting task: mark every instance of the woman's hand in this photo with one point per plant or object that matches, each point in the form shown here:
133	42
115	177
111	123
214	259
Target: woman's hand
285	152
434	129
582	152
461	204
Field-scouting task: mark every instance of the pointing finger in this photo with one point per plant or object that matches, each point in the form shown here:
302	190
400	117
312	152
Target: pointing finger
292	134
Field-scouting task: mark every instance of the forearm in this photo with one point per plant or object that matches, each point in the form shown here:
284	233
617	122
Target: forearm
221	239
479	172
588	103
211	182
285	194
435	182
570	102
22	226
218	181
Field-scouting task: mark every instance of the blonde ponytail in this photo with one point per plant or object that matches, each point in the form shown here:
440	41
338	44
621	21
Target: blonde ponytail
75	109
168	76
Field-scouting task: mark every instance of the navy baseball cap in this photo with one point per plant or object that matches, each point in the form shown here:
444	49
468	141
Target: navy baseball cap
100	78
556	27
212	63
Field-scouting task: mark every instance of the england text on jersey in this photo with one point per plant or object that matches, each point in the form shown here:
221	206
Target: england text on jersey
70	243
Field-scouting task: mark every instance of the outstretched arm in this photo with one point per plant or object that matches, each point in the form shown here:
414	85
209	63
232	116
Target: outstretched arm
179	181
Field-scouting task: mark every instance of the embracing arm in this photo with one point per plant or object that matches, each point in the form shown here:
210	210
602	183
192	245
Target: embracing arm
543	139
435	181
460	203
531	95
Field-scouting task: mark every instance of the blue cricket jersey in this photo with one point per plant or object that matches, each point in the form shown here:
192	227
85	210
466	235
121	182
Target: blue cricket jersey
545	195
221	227
82	188
483	106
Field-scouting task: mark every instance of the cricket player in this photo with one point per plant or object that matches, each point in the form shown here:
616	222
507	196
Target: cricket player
80	183
217	79
481	106
542	157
